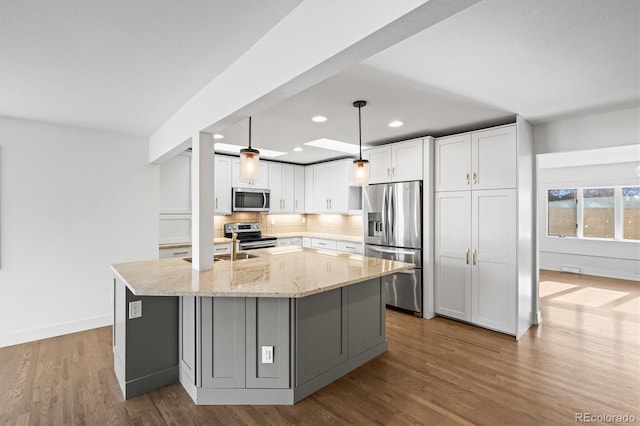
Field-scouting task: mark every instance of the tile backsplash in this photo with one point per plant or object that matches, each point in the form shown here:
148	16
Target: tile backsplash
274	224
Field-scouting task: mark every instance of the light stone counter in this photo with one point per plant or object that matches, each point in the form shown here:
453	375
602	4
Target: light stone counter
326	236
290	272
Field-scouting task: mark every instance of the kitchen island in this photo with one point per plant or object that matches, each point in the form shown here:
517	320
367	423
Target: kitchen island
269	329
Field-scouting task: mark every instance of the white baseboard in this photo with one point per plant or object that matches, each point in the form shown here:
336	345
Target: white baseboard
24	336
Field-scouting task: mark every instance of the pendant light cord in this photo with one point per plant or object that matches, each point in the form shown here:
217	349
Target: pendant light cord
360	129
249	132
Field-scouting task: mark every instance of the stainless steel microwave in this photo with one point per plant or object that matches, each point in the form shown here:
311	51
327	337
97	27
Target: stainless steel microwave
250	200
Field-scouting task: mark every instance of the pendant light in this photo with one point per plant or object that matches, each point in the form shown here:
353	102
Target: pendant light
360	166
249	159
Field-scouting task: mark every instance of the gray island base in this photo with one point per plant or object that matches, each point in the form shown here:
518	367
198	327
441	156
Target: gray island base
250	350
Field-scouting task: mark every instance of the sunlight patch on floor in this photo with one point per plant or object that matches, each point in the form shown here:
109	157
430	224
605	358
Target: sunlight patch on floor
630	307
551	287
590	296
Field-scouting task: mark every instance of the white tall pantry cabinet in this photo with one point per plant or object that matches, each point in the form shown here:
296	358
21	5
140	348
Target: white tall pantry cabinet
484	228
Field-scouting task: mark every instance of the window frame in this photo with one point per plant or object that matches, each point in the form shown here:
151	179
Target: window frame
618	227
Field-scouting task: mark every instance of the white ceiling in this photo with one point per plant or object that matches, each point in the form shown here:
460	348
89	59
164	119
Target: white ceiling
127	66
124	66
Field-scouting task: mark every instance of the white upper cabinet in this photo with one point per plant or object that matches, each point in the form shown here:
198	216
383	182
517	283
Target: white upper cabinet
493	158
453	163
299	189
331	186
175	185
379	164
222	185
478	160
263	175
397	162
282	186
309	190
275	186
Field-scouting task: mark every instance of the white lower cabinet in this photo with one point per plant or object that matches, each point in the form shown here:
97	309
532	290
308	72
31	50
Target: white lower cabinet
322	243
283	242
166	253
475	251
348	247
222	248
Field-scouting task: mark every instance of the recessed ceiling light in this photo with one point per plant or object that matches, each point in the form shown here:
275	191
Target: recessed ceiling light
334	145
319	119
396	123
225	147
218	136
297	149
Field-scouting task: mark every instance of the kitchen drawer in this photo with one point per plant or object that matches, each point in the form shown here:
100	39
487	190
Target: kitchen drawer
323	244
166	253
281	242
348	247
222	248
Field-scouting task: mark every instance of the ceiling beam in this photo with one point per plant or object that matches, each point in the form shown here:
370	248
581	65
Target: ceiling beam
314	42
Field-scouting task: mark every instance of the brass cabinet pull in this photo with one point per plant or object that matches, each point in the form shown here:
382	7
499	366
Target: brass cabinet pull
475	256
466	256
475	177
468	179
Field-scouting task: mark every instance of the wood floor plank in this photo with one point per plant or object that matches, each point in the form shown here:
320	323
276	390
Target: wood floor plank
584	357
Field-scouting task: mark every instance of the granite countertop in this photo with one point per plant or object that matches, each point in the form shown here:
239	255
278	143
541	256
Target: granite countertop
277	272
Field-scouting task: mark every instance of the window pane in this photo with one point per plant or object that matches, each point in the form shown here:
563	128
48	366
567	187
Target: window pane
631	213
598	213
562	212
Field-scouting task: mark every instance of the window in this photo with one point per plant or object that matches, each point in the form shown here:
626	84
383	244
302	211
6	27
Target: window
602	213
598	217
562	219
631	213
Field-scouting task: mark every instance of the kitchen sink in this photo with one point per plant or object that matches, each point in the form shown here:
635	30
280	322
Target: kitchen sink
239	256
227	256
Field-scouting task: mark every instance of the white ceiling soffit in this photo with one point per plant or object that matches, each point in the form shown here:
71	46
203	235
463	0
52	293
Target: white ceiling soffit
123	66
423	109
542	59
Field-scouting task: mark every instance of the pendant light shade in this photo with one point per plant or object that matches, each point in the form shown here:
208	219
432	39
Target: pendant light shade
249	159
360	166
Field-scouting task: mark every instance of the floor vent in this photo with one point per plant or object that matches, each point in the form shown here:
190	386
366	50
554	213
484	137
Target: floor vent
572	269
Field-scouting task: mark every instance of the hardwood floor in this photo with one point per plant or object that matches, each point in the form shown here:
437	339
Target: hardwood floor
583	358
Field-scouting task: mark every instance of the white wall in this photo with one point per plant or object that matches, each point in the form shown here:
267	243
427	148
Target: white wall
72	201
615	128
580	152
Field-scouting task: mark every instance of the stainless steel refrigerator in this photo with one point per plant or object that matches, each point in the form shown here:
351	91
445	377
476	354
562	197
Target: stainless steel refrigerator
393	230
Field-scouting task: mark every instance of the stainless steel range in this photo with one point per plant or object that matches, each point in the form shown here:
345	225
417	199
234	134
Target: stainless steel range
249	235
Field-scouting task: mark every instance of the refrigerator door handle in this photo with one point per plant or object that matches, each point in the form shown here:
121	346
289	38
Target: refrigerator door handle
391	215
385	217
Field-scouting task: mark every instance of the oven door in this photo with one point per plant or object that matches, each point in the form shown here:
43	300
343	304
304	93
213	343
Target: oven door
254	245
250	200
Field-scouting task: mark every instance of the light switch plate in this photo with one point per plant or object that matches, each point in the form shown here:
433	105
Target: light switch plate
135	309
267	354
